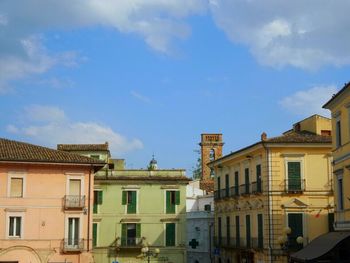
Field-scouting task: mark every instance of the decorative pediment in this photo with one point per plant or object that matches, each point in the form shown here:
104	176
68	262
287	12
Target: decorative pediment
257	204
294	203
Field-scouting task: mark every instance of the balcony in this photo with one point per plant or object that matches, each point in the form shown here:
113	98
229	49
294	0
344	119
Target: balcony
234	191
257	243
217	195
224	193
74	202
244	189
131	242
257	187
73	245
294	186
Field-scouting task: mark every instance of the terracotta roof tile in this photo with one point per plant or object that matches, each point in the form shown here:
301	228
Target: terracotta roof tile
300	137
24	152
83	147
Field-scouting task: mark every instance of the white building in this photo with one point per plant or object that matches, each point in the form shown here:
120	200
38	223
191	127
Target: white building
200	224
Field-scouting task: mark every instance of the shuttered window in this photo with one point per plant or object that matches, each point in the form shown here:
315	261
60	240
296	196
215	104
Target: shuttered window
98	200
129	198
236	183
247	228
295	222
94	234
227	185
172	199
294	176
170	234
258	178
16	188
238	234
247	181
75	187
260	231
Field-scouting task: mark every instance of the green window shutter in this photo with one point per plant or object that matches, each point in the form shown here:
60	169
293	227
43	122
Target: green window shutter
132	205
124	193
170	234
294	176
99	197
247	228
295	222
238	234
170	208
138	230
94	234
124	234
177	197
260	231
94	208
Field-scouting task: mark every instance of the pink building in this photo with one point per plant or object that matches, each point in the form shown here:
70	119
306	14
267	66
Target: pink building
46	199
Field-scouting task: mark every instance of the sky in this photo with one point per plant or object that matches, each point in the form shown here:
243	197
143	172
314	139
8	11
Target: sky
150	76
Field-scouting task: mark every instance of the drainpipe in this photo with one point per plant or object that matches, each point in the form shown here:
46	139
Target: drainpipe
269	206
89	193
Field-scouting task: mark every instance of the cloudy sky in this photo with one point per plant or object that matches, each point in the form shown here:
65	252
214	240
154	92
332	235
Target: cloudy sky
151	76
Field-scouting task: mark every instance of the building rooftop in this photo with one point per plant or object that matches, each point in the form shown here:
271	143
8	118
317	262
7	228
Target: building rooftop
83	147
24	152
346	85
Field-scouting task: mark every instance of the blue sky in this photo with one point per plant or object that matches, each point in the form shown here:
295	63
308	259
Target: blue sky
151	76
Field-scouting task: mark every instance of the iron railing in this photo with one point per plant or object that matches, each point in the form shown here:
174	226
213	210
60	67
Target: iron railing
234	191
257	187
257	242
294	185
244	189
74	201
73	245
131	242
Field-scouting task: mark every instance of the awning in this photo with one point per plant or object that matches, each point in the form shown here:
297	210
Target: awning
320	246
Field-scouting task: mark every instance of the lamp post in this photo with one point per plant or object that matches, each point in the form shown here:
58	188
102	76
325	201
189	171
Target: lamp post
147	253
284	240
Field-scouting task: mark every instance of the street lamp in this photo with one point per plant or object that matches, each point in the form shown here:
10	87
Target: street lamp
147	253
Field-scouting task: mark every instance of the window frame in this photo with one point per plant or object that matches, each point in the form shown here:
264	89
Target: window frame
14	214
75	176
127	200
66	225
175	234
302	168
21	175
165	200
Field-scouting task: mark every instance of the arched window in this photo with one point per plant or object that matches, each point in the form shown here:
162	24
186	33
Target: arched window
212	155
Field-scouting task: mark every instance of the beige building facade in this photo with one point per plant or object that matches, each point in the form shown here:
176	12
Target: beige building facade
275	196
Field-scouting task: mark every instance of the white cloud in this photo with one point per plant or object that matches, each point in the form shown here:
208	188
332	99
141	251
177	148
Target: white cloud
308	102
299	33
49	125
140	97
158	22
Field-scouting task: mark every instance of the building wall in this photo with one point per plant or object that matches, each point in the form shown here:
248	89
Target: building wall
44	220
315	202
341	156
150	214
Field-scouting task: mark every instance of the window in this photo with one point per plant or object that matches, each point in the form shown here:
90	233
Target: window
258	178
212	155
294	176
236	183
219	230
228	230
172	200
15	226
170	238
227	185
238	234
16	187
338	133
98	199
207	207
75	187
94	234
246	176
219	186
73	232
247	228
340	196
130	200
260	231
326	133
131	234
295	222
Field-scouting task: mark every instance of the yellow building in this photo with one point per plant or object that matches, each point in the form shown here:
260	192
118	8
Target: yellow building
269	188
334	246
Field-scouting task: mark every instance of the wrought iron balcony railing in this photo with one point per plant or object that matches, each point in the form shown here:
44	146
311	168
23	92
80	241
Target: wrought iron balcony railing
70	245
257	242
244	189
131	242
74	201
294	185
234	191
257	187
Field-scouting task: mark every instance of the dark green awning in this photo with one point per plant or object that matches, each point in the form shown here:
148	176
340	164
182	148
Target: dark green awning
320	246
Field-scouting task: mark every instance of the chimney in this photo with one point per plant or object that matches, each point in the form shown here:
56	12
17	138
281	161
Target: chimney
263	136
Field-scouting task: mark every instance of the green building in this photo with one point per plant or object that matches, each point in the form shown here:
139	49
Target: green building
137	208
